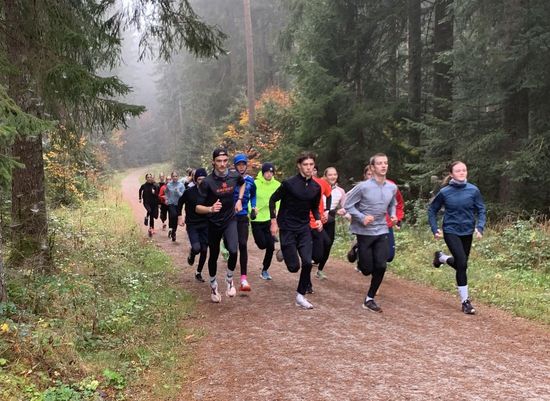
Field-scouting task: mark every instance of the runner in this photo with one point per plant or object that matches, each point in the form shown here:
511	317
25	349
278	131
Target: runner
149	193
462	202
266	185
319	237
196	224
240	161
367	203
299	195
217	202
172	192
162	200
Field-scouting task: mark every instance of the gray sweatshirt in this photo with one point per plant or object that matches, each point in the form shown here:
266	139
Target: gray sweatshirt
370	198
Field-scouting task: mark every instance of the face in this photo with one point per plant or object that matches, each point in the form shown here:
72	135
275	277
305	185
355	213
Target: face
306	167
149	178
380	167
268	175
175	177
161	178
315	172
460	172
220	163
331	175
241	167
200	180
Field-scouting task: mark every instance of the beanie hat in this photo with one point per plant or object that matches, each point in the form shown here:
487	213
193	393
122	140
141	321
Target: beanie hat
200	172
219	152
240	158
268	167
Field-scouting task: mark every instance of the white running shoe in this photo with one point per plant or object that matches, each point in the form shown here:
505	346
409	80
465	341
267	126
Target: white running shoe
231	291
215	294
302	302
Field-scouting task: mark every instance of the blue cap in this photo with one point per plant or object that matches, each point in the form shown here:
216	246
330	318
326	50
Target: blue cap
240	158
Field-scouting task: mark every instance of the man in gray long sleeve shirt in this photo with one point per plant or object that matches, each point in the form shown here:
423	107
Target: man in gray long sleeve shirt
367	204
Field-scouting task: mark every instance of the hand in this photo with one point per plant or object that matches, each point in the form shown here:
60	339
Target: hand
324	217
274	227
341	212
368	219
238	205
217	206
181	221
347	216
438	234
478	234
318	225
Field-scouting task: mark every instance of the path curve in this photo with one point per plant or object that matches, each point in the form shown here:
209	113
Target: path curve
261	347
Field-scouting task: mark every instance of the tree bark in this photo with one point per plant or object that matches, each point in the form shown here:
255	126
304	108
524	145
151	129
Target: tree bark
443	42
29	219
251	90
415	64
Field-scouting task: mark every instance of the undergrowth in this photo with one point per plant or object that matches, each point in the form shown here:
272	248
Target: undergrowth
107	325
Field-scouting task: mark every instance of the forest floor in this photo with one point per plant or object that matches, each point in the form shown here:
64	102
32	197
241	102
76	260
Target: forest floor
260	346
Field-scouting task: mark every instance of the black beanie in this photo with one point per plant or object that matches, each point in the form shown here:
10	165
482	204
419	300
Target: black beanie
200	172
268	167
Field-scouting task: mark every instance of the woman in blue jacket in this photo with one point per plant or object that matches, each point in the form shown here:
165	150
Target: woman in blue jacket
463	204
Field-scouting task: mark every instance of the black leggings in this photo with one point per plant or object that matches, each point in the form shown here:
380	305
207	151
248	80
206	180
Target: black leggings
242	232
173	217
163	212
229	235
152	213
261	231
460	246
373	254
321	247
294	243
198	238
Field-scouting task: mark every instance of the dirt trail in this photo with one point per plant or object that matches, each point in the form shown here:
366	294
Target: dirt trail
262	347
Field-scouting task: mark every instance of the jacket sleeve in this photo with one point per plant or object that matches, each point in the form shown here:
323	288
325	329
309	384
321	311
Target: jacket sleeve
400	205
181	202
253	194
162	195
314	206
481	212
353	197
436	204
140	192
277	196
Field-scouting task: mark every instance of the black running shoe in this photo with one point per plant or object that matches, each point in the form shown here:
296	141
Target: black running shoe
468	308
169	233
436	262
191	259
145	221
310	290
372	306
199	278
352	254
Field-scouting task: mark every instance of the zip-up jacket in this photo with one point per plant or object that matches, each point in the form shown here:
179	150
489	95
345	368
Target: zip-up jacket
298	197
190	198
264	190
462	203
149	193
324	202
173	192
213	188
249	195
162	190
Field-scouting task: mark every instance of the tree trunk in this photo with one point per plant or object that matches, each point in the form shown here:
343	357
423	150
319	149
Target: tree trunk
249	63
443	42
29	221
415	64
3	291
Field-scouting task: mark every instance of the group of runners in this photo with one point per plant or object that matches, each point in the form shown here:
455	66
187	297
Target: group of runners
300	213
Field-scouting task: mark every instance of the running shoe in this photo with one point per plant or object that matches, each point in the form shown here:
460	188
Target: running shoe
310	289
302	302
199	278
150	232
279	256
321	275
163	226
275	238
372	306
245	286
352	254
225	253
191	259
146	221
173	236
231	291
357	269
169	233
215	295
437	263
468	308
265	275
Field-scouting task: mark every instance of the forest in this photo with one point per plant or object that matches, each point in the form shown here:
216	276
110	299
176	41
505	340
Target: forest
91	88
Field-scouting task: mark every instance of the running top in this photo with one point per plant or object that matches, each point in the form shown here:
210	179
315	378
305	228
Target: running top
374	199
298	197
190	198
264	190
338	200
326	199
149	193
173	191
462	202
213	188
249	195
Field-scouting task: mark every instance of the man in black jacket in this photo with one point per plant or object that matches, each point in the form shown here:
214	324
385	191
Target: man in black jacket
299	195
